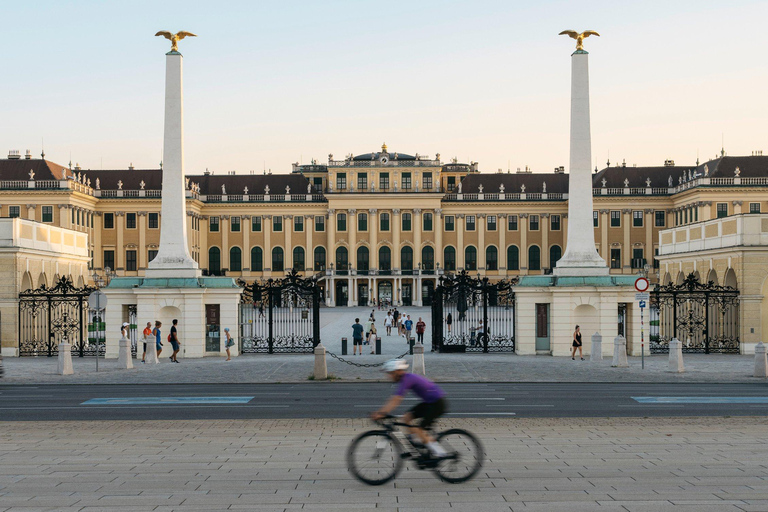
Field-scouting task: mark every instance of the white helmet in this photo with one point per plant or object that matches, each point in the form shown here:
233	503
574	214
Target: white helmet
395	364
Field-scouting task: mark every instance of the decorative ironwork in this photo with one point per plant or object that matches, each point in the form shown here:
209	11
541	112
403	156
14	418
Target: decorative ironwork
703	316
49	316
473	314
280	315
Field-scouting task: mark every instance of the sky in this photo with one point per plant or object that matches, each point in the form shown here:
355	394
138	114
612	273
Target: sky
271	83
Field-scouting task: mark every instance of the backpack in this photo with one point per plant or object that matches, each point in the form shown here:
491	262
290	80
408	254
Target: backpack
169	338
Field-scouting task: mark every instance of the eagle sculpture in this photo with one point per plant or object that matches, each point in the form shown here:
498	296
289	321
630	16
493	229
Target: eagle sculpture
579	37
175	38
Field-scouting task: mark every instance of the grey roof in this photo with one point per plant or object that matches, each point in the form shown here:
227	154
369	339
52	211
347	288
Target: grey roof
534	183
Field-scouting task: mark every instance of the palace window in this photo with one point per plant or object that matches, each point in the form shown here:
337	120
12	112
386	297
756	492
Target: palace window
406	221
470	222
341	222
595	218
406	258
753	208
406	181
341	181
298	223
15	211
317	185
427	181
362	222
151	254
384	222
616	258
722	210
256	223
449	257
213	225
534	258
319	223
214	261
428	258
555	252
512	223
426	219
319	258
298	258
638	258
109	259
234	224
554	222
661	218
491	258
154	221
637	218
470	258
235	259
130	220
384	181
362	181
490	223
451	184
342	258
277	223
385	259
450	223
513	258
257	259
130	260
363	259
615	218
48	213
277	259
533	222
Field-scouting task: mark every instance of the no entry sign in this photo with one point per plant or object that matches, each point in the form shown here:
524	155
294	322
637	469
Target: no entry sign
642	284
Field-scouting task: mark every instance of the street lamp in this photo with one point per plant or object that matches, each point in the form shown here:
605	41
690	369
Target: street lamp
99	281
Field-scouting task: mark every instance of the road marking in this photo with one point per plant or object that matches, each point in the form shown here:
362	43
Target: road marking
701	399
481	414
169	406
517	405
453	399
170	400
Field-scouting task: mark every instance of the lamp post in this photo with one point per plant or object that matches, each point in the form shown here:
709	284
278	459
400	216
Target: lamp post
100	281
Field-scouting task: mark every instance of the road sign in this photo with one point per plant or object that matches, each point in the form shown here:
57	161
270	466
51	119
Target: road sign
642	284
643	296
97	300
642	304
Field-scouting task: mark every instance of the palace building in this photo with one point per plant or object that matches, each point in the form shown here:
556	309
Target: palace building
382	225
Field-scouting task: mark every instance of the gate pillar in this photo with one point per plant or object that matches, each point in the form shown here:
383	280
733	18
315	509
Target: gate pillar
124	360
676	356
761	361
65	359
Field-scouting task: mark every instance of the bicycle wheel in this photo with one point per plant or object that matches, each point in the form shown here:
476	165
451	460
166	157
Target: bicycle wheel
466	456
375	457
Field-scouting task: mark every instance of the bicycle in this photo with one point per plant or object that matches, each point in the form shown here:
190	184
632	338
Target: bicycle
376	457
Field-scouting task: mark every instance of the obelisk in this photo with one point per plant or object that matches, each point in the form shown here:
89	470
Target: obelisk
173	258
581	257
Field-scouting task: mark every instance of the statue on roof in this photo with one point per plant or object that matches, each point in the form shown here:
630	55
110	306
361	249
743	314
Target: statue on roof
706	170
626	182
501	188
98	184
544	187
223	189
737	172
120	184
266	189
480	188
245	190
287	190
604	181
522	188
142	184
669	181
648	182
79	177
188	183
459	187
31	174
309	188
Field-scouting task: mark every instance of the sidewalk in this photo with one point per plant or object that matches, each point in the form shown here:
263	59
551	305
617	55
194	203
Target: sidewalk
532	465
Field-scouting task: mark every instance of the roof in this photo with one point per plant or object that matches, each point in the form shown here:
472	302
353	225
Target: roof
19	169
379	154
534	183
256	183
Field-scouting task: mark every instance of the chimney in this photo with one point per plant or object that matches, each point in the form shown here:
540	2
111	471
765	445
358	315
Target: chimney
560	170
669	163
13	154
130	167
28	155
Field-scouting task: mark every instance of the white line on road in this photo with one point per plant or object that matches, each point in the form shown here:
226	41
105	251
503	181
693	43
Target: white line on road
481	414
518	405
156	406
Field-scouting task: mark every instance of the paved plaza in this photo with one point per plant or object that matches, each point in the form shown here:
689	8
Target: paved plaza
573	465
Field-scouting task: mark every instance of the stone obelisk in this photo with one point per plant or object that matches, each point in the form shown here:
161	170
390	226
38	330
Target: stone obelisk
581	257
173	258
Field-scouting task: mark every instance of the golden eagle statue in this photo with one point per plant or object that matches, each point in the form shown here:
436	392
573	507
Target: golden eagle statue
579	37
175	38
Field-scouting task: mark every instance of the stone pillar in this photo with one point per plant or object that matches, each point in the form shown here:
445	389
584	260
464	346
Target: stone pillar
761	361
626	244
459	223
502	227
321	367
224	227
98	251
245	227
373	230
417	365
124	359
619	352
580	257
544	226
596	350
119	245
173	258
676	356
65	359
480	223
309	227
605	246
142	249
396	220
523	227
288	230
352	237
266	228
437	225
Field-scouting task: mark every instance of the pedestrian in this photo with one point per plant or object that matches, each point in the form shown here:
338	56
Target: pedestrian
367	329
147	335
124	330
357	337
261	310
158	339
388	323
372	338
373	316
449	321
229	343
396	316
576	344
420	328
174	339
408	324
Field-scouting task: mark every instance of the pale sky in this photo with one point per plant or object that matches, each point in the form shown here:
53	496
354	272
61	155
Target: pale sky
270	83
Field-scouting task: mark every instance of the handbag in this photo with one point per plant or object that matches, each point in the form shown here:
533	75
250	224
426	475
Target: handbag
231	343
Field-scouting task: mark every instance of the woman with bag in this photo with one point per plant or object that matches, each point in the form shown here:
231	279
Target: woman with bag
576	344
372	337
230	342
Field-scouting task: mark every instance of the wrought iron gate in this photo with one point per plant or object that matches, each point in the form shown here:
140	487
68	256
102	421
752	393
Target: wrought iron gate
703	316
280	315
49	316
473	314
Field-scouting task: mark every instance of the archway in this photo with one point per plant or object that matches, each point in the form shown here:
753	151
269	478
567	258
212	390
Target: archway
166	316
712	276
667	279
588	319
730	278
42	280
26	282
680	278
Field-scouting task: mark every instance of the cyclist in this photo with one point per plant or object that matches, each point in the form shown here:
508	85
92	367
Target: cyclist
433	403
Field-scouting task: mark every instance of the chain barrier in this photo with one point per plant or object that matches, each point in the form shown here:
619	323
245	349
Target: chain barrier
364	365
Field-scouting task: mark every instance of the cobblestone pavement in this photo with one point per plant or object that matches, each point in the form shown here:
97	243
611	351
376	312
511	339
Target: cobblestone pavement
642	465
442	367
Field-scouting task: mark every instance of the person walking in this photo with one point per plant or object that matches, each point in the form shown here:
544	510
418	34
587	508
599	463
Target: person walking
420	328
147	337
372	337
174	339
357	337
230	343
449	321
408	324
158	339
396	323
576	344
367	329
124	330
388	323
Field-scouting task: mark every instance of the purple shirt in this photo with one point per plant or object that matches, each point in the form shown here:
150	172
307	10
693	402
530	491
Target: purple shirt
421	387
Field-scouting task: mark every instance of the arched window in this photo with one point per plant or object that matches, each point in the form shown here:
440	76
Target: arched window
342	258
555	252
491	258
214	260
470	258
428	258
449	258
406	258
513	258
235	259
298	258
319	258
385	259
278	264
257	259
534	258
363	260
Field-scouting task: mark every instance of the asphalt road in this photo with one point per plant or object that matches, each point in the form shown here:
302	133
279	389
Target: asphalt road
349	400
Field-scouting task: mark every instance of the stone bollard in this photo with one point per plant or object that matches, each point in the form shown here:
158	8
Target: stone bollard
321	367
676	356
761	361
417	366
124	359
619	352
151	357
596	350
65	359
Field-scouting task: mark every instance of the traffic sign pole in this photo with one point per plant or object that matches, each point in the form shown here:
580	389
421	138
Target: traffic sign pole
642	338
98	301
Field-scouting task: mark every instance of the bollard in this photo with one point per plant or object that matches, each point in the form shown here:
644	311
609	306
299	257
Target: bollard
761	361
65	359
411	343
378	345
321	367
417	365
151	355
343	346
596	350
676	356
124	359
619	352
